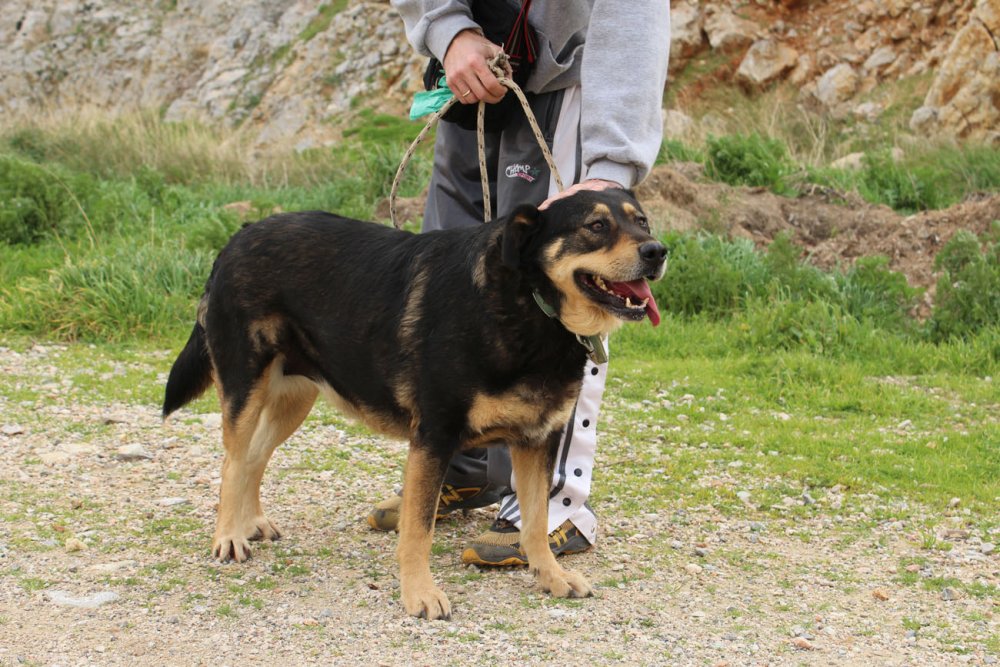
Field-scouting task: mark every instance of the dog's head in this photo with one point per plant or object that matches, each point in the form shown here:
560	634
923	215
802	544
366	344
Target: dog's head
589	255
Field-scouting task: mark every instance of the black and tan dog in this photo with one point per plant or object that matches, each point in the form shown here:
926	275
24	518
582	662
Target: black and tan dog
439	338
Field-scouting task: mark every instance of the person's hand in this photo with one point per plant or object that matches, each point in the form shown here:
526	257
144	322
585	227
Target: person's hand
467	69
589	184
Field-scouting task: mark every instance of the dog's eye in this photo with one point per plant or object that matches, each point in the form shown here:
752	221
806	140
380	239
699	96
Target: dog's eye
598	225
643	222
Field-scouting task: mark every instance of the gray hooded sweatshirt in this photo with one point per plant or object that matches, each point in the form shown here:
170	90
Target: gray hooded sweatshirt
616	50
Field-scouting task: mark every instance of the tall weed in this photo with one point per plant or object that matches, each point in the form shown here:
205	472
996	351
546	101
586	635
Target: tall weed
749	160
968	291
903	188
35	202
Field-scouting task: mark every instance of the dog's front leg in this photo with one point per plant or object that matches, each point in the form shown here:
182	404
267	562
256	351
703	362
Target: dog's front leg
533	472
421	491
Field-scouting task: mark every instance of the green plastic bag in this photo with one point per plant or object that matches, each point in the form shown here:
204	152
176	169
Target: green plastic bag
428	101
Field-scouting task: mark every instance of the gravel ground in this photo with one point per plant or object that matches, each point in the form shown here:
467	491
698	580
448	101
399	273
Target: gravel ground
107	517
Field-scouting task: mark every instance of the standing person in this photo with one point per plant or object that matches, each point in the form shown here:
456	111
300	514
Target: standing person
596	90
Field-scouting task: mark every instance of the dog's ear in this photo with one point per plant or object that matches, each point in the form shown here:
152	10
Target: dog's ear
521	226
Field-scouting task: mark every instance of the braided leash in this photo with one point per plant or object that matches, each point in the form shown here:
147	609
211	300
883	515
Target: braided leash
500	68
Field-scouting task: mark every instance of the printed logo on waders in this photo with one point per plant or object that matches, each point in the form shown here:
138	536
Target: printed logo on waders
524	171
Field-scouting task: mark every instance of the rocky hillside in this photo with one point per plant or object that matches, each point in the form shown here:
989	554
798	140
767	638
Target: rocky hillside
291	71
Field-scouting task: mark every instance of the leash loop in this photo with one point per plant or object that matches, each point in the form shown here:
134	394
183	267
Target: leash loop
500	66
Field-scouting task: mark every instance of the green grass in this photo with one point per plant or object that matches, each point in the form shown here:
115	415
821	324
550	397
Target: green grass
811	420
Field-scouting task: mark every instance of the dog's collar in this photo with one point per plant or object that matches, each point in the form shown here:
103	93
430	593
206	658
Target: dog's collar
594	345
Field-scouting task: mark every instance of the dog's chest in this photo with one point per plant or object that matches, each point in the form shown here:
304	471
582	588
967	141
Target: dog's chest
529	411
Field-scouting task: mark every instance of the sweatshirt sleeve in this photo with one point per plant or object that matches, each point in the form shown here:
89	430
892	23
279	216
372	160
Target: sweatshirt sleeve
623	74
432	24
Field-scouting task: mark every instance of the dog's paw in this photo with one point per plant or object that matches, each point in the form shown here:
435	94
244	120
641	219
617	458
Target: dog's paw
564	584
264	529
229	548
428	602
234	544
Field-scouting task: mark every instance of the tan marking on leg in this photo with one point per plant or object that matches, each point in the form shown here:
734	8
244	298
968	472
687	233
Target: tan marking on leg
275	408
493	436
520	410
421	490
534	478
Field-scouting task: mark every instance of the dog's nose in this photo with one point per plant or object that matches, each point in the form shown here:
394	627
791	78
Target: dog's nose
654	255
653	251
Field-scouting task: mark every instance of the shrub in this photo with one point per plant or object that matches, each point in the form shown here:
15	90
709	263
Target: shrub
904	188
968	291
793	278
34	202
871	291
706	275
715	277
749	160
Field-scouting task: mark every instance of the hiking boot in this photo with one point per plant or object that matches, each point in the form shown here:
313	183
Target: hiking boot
500	546
385	516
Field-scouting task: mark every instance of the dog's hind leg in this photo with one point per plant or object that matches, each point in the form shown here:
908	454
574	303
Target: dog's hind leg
273	410
421	490
533	472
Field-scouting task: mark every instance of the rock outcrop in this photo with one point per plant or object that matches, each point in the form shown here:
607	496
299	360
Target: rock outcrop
766	61
288	70
293	72
964	99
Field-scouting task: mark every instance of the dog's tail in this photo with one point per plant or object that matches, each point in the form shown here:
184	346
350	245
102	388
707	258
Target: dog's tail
191	373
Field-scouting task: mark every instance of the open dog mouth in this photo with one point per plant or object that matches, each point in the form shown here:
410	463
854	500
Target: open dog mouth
628	300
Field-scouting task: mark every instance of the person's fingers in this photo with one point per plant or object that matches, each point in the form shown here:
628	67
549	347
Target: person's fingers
471	90
494	90
589	184
478	84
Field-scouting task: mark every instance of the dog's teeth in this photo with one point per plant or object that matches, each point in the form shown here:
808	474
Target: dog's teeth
644	302
628	303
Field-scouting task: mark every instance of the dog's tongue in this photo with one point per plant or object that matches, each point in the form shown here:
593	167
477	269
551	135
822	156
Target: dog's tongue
639	289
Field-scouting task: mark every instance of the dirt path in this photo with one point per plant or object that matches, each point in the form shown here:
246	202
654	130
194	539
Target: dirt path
100	499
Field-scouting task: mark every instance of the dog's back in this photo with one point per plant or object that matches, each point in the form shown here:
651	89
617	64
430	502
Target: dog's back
327	294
